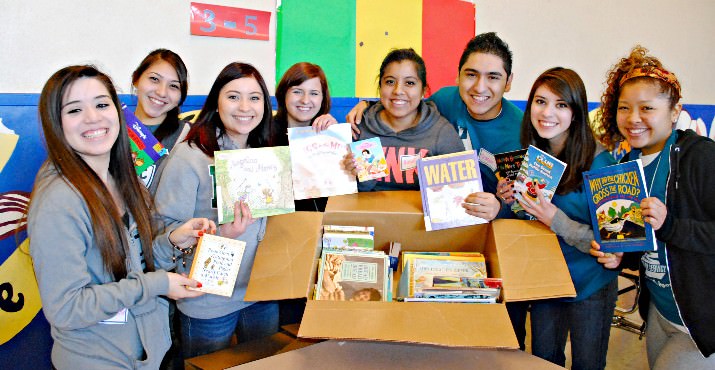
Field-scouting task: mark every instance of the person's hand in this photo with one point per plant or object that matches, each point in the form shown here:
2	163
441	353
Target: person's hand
608	260
505	191
186	235
542	209
482	204
350	164
355	116
320	123
654	212
241	220
178	287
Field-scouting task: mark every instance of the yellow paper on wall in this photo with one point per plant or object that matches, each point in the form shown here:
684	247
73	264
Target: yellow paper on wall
7	146
377	31
18	292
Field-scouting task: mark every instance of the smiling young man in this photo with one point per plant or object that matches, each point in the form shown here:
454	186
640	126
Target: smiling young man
477	107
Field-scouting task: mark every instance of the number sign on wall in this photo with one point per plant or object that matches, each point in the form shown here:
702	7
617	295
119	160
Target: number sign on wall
225	21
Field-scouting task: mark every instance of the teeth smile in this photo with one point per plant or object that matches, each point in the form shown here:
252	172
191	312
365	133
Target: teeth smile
399	102
303	109
156	101
548	124
636	131
95	133
480	98
243	119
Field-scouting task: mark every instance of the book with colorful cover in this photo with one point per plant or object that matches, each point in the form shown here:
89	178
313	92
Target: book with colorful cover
216	264
538	169
508	164
353	276
418	270
317	161
370	158
445	182
260	177
615	193
146	149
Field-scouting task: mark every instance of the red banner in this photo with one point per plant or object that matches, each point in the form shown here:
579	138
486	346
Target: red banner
225	21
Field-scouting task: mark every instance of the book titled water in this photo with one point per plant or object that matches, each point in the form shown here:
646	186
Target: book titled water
445	182
615	193
317	161
370	158
260	177
146	149
538	170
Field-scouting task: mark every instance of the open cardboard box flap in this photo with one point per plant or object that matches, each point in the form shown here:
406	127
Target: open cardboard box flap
525	254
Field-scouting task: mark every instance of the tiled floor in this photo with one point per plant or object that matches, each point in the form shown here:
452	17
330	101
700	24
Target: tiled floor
625	350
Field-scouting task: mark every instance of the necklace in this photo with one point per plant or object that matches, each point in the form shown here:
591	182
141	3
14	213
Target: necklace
663	152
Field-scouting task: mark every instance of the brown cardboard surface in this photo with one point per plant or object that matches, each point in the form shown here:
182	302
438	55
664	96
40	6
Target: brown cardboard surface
530	261
525	254
358	355
240	354
286	258
448	324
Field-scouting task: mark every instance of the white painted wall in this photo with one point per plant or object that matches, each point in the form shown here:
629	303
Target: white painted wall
590	36
38	37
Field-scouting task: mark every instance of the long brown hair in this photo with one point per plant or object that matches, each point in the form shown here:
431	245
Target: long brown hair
108	228
203	132
580	147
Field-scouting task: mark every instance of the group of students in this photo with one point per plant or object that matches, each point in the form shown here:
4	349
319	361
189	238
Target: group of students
102	243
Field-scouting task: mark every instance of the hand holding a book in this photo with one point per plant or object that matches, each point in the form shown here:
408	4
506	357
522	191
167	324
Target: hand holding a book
505	190
482	204
608	260
350	164
542	208
178	287
188	234
654	212
320	123
241	219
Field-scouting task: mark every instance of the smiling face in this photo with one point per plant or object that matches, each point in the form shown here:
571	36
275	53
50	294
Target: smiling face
482	83
90	121
551	117
303	102
240	106
158	92
644	116
401	91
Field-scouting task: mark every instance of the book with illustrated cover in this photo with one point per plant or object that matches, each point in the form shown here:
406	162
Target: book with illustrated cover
146	149
445	182
353	276
317	161
508	164
370	158
260	177
216	264
419	270
356	237
538	169
615	193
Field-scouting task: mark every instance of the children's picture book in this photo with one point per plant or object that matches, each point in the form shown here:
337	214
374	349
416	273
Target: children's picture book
317	161
538	170
370	158
216	264
445	182
353	276
260	177
357	237
146	149
508	164
615	193
419	269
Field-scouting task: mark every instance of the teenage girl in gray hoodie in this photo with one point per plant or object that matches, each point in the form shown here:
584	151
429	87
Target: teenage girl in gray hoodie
91	234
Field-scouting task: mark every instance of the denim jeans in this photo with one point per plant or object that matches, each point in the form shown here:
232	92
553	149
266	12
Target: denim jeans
588	321
517	314
202	336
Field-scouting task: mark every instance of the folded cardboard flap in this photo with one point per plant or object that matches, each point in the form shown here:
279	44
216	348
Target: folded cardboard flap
453	325
286	257
530	261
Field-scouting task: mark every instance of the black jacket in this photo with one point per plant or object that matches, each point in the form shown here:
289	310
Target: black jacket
689	235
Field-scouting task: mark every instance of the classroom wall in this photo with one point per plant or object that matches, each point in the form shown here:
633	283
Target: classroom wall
590	36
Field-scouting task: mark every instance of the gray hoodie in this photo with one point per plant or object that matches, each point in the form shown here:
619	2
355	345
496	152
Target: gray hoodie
78	293
433	135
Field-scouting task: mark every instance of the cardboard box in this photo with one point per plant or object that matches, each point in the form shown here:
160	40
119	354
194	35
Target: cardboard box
359	355
525	254
241	353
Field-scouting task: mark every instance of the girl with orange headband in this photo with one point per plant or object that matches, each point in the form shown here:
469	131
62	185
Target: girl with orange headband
641	105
